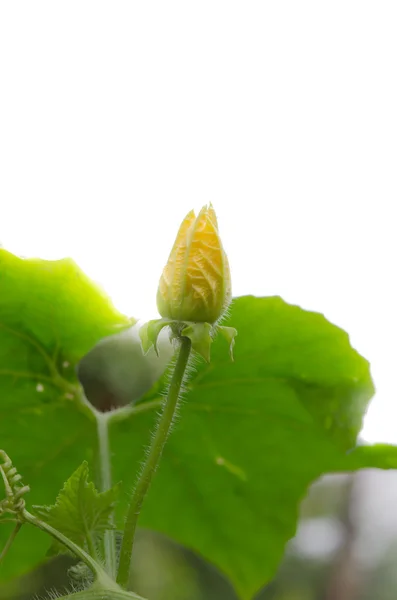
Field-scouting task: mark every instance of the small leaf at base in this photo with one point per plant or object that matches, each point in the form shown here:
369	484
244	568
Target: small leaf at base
80	512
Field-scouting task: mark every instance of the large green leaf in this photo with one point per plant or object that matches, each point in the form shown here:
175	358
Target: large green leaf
251	436
51	314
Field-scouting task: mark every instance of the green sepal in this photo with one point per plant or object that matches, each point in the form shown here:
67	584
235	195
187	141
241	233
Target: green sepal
149	333
200	336
229	333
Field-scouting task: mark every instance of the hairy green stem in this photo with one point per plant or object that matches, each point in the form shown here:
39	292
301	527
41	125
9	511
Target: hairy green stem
106	484
91	563
152	461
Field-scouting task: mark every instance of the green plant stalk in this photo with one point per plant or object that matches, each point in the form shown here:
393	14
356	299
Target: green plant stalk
10	540
100	574
152	461
106	484
92	549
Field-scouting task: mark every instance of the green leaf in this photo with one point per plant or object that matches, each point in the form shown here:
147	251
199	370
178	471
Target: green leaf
80	511
252	435
54	307
51	315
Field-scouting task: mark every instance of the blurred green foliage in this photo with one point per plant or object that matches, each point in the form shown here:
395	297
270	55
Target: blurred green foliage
251	435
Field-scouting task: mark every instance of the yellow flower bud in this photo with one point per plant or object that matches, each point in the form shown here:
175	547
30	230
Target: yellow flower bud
195	284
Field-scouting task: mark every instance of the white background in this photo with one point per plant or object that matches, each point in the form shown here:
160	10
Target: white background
117	117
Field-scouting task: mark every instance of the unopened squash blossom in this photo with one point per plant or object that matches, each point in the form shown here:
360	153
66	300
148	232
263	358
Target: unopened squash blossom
195	287
195	284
